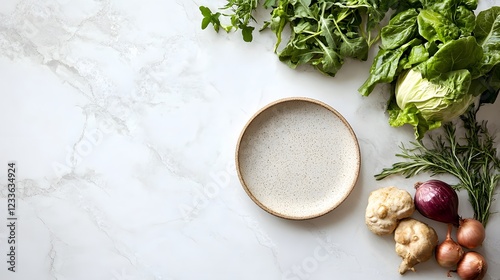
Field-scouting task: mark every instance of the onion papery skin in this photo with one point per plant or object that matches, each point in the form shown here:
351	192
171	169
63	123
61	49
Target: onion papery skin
473	266
437	201
470	233
449	252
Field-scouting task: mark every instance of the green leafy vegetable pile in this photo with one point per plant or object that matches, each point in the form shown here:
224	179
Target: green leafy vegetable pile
323	33
438	57
443	62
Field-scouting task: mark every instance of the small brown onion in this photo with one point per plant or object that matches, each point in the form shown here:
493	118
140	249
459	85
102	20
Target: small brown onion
473	266
470	233
449	253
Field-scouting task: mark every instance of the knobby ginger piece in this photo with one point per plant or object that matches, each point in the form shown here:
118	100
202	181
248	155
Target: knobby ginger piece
386	206
415	243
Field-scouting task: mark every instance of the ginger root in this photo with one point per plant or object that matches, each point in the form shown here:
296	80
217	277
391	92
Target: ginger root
386	206
415	243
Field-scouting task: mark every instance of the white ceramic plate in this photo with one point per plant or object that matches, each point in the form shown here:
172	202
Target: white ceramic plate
298	158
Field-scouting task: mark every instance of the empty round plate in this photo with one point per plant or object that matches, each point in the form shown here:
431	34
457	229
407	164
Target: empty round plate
298	158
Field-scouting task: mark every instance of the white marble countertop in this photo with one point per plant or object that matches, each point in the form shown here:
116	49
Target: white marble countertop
122	118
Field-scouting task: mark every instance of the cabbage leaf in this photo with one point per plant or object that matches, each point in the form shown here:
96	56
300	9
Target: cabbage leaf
427	104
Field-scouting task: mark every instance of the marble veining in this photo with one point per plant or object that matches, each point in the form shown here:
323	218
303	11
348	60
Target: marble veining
122	118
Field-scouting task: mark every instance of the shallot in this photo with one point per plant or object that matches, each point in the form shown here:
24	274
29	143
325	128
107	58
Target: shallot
449	252
473	266
470	233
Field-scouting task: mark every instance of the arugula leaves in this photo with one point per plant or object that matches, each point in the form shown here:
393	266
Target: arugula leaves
241	14
321	36
323	33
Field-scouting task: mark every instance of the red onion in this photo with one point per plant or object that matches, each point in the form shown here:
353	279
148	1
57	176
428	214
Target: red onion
438	201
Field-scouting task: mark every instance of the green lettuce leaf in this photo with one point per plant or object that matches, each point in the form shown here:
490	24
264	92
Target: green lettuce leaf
465	20
463	53
401	29
433	26
385	67
487	33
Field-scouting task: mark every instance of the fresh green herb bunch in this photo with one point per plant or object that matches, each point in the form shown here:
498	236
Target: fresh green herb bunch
240	13
322	32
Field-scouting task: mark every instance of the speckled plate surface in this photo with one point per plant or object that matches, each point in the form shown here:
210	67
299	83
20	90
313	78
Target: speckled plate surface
298	158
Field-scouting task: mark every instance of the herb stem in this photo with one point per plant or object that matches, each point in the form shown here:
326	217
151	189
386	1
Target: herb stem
473	161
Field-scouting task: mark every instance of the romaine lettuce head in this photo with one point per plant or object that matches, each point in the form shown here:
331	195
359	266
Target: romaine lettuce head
426	104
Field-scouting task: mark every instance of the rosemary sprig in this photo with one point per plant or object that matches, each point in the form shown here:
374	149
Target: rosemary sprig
471	158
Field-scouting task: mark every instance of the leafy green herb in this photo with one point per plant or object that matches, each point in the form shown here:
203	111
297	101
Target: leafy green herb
471	158
240	13
323	32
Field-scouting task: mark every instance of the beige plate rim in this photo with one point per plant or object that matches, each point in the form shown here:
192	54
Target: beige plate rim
293	99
